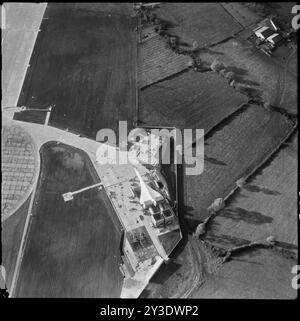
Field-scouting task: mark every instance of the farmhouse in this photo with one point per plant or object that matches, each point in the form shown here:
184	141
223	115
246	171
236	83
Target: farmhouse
263	32
268	35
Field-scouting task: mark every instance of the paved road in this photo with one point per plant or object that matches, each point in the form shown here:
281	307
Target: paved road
22	23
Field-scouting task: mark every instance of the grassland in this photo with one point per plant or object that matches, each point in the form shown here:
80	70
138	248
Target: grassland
189	100
72	248
84	63
266	205
257	274
270	78
121	8
157	62
241	13
233	150
205	23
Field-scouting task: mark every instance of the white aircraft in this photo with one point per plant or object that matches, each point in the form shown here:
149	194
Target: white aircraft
148	195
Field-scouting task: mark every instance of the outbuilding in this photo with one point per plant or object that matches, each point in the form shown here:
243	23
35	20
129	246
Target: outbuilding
263	32
275	39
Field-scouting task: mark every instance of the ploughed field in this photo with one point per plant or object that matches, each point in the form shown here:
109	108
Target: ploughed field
189	100
157	62
73	247
205	23
83	63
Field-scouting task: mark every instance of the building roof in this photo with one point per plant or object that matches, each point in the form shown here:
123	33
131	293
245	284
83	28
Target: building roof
274	38
148	194
264	32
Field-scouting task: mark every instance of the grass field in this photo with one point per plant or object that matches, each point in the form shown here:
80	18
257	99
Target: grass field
121	8
266	205
233	150
255	69
257	274
12	230
157	62
72	248
241	13
84	63
189	100
205	23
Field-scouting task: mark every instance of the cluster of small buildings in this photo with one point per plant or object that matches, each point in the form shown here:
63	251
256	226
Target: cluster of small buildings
268	37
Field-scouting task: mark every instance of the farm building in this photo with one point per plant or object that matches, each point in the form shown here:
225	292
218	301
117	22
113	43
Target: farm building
263	32
275	39
268	35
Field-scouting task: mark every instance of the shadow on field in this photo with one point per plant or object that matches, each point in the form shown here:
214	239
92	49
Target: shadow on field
214	161
240	214
239	76
257	189
287	246
208	51
225	241
246	261
237	71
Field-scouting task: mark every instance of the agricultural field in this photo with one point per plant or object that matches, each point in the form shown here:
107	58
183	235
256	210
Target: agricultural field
205	23
241	13
84	63
233	150
72	248
12	231
276	83
283	10
121	8
189	100
266	205
157	62
257	274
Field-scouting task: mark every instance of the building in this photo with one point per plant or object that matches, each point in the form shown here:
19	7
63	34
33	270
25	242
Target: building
269	36
275	39
150	224
263	32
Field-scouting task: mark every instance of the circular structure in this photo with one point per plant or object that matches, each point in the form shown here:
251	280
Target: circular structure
20	164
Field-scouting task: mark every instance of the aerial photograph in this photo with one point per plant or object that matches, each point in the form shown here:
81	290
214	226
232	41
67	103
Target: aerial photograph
149	150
